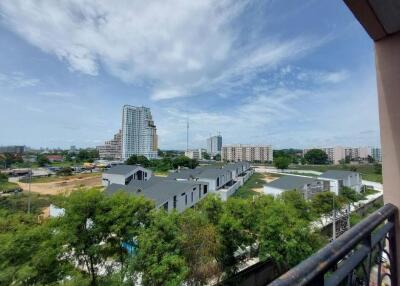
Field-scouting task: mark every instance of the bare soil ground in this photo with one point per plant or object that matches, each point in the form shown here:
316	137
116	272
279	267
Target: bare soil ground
267	177
64	185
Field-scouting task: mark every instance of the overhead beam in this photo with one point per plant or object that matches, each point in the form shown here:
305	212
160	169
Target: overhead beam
364	13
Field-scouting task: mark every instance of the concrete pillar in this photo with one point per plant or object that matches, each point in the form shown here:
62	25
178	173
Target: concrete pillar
387	55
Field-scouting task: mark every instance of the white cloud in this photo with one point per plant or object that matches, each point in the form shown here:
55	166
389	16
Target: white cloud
17	80
190	46
322	77
57	94
167	93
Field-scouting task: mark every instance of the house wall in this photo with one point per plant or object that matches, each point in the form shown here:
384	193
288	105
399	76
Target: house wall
181	203
108	179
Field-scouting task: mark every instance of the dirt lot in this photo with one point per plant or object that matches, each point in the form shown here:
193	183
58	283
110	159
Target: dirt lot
267	178
64	185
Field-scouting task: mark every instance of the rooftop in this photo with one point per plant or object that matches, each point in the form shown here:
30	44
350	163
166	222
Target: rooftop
290	182
158	189
121	169
337	174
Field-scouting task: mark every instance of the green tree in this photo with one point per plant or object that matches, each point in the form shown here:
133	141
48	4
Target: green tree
159	255
378	169
206	156
284	237
183	161
217	157
199	247
323	203
42	160
282	162
350	195
126	215
212	207
232	237
295	200
132	160
316	156
84	228
143	161
29	252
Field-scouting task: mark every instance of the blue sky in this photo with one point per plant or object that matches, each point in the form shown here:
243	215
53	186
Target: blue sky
288	73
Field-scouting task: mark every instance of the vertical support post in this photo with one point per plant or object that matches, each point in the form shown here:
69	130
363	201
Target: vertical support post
393	250
387	58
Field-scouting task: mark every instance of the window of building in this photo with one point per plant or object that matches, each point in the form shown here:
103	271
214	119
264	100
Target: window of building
165	206
174	202
192	196
205	189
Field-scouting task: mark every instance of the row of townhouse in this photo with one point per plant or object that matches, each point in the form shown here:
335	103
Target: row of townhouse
182	189
332	180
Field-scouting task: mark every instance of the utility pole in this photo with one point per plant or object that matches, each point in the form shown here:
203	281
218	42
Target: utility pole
29	190
187	134
334	218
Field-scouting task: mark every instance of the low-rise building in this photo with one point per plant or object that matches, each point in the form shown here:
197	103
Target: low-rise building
306	185
55	158
338	154
181	189
12	149
167	194
339	179
223	180
195	153
112	149
250	153
124	174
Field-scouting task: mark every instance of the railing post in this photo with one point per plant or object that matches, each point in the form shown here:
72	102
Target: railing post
394	249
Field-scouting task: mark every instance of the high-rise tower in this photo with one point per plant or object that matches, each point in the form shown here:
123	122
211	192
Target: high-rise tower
139	134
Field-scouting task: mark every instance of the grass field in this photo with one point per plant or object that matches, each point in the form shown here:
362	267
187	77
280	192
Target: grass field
256	181
367	171
8	186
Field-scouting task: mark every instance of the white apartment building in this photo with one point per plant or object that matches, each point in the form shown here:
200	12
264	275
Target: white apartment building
339	153
214	145
139	134
251	153
111	150
195	153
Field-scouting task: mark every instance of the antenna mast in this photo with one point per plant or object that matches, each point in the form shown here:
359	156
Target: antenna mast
187	134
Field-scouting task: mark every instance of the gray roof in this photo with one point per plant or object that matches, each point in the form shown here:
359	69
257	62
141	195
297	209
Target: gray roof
337	174
121	169
290	182
158	189
212	173
206	172
185	174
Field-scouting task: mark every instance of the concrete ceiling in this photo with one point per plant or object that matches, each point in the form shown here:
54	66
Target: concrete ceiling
380	18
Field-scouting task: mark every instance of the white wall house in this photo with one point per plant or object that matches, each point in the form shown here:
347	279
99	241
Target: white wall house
306	185
165	193
339	179
223	180
123	174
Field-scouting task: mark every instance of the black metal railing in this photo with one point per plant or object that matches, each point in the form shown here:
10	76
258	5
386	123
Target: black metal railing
364	255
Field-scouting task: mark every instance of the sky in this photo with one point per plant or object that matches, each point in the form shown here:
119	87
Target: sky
283	72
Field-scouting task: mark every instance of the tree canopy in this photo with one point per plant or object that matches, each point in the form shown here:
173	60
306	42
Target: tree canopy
316	156
115	239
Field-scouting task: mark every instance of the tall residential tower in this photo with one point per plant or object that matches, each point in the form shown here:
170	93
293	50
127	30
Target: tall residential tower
139	134
214	145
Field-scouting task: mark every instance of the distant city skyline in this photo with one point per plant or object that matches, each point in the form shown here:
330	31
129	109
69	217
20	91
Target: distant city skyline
255	77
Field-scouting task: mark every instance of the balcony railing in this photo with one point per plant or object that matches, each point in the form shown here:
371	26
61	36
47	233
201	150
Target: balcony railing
364	255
